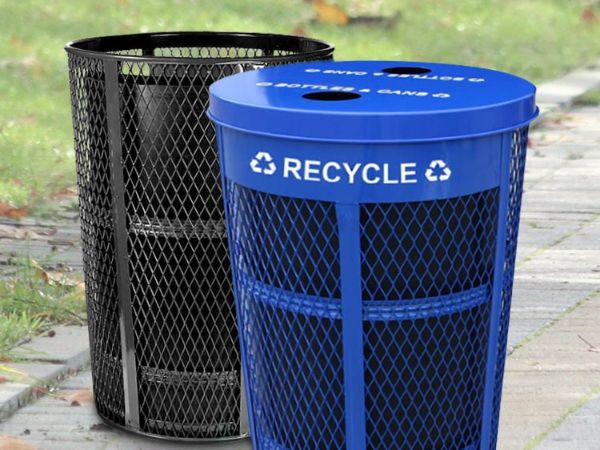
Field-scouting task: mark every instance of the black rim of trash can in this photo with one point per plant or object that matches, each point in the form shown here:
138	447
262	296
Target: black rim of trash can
104	47
113	51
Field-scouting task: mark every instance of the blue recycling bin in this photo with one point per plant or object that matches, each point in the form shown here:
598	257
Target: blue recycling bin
373	209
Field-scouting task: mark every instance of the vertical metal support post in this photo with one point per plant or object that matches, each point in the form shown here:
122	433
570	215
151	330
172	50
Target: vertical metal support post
132	415
495	310
245	389
348	218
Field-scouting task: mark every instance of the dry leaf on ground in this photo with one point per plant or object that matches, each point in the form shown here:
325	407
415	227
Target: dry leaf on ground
56	278
100	427
65	193
40	390
78	398
330	13
13	443
9	210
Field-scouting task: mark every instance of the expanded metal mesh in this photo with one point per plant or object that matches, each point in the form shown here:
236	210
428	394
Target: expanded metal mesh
427	322
517	172
286	253
427	249
185	341
97	232
183	312
427	276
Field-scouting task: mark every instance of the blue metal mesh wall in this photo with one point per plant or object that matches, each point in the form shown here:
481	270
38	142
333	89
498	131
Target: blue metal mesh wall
517	171
427	293
286	254
427	286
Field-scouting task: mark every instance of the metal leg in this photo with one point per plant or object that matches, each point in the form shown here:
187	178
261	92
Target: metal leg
132	416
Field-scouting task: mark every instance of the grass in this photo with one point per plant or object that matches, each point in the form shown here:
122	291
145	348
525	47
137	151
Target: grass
14	327
539	39
29	304
591	98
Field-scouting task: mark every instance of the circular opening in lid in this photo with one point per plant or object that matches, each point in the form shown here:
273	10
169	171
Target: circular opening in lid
331	95
406	70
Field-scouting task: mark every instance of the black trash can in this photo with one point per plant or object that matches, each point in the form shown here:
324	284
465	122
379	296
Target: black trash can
165	357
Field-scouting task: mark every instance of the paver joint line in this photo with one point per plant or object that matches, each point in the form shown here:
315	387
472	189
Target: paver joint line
56	357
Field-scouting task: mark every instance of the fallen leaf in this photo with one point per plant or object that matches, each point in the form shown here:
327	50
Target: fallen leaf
299	31
39	390
40	270
330	13
13	443
7	209
588	15
100	427
3	379
65	193
80	397
55	278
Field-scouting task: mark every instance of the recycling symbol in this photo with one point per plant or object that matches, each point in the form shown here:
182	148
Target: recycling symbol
263	163
438	171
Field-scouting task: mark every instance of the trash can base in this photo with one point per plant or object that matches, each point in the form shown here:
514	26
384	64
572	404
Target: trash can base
162	437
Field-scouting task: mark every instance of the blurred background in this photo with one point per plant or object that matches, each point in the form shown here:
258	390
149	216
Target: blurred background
537	39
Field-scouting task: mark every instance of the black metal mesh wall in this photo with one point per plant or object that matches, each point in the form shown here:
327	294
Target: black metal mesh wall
185	353
97	232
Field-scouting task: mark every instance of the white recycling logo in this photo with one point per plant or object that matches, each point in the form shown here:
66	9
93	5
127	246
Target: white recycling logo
438	171
263	163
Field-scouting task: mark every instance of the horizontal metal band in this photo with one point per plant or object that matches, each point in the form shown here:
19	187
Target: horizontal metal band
229	428
291	301
386	310
361	173
154	226
186	379
380	310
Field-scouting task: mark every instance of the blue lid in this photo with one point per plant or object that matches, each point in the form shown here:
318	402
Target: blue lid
373	101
